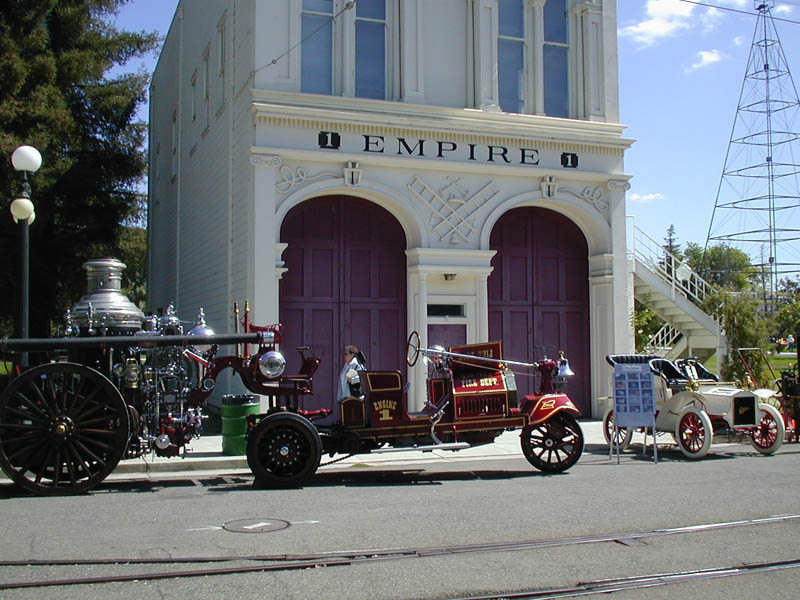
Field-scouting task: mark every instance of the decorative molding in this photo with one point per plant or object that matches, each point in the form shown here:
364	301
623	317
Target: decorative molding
265	160
549	187
593	196
452	207
280	265
289	179
618	184
352	174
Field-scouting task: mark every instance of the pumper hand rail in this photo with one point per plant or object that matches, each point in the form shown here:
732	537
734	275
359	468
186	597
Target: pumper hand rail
132	340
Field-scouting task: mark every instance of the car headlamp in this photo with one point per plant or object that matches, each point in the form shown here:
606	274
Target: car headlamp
271	364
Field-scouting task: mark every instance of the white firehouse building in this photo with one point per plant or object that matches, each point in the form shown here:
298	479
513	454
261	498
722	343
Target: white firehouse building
359	170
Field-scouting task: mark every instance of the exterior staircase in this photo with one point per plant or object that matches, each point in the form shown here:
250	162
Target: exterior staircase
670	288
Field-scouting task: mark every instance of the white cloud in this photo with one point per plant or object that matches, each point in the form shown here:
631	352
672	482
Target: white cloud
783	9
670	18
738	40
645	198
664	18
705	58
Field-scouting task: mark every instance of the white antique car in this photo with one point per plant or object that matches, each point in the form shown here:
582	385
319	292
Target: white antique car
691	404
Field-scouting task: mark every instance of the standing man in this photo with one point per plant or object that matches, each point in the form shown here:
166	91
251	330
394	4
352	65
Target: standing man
349	380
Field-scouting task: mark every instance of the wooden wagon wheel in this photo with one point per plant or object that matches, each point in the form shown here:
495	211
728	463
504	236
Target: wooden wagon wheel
63	429
554	445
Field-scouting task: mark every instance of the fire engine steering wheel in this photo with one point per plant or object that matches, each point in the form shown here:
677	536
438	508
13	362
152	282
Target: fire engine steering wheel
412	349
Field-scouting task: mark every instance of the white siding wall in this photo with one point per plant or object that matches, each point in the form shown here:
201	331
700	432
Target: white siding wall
215	132
163	201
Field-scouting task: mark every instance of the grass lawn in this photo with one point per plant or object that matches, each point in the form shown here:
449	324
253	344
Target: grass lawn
777	362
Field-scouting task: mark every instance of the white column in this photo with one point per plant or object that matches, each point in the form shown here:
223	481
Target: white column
601	328
484	20
623	288
591	63
262	258
345	37
412	75
418	311
536	56
482	316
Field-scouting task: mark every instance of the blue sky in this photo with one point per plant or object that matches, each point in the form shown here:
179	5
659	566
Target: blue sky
681	67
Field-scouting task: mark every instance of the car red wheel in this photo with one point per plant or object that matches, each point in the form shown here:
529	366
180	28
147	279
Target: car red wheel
694	432
768	435
624	434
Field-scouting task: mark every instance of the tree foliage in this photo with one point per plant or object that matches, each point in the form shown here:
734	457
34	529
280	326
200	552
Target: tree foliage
646	323
787	317
722	265
744	327
58	96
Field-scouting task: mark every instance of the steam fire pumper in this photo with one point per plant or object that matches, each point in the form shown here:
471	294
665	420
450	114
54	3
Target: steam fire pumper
112	389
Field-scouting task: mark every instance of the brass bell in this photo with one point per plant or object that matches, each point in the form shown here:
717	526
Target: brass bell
563	365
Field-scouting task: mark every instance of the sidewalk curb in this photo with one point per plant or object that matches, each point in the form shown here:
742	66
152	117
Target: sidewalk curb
205	454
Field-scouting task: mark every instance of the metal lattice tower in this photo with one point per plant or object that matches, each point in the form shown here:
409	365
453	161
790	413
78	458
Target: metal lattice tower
757	208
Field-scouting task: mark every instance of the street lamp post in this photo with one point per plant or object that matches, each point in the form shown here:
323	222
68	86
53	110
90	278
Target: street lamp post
28	160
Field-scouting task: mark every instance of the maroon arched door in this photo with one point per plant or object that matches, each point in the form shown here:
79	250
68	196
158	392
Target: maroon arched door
539	294
345	284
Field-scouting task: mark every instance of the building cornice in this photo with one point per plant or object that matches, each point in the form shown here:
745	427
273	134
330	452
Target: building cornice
371	116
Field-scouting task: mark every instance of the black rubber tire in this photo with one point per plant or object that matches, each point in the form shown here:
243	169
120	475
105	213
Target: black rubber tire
283	450
554	445
63	429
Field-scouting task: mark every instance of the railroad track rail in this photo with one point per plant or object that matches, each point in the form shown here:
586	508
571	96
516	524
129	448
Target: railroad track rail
291	562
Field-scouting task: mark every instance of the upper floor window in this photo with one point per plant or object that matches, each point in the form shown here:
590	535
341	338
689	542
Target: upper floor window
316	61
371	49
520	88
345	51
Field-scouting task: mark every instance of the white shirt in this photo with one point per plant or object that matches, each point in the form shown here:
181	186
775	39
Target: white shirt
346	378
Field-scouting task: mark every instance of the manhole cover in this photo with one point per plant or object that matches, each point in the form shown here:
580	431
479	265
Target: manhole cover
255	525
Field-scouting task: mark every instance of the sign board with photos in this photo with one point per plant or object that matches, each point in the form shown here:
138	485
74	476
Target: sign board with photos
634	395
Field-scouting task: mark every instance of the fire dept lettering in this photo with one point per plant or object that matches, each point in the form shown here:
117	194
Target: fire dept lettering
385	409
479	382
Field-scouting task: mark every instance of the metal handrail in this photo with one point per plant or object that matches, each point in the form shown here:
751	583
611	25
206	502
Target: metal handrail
672	270
663	338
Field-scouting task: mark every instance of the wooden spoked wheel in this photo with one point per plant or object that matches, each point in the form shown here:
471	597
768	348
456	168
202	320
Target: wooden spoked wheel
767	436
63	429
554	445
694	432
624	434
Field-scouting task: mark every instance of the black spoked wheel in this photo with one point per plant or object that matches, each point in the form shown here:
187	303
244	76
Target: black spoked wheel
555	445
63	429
283	450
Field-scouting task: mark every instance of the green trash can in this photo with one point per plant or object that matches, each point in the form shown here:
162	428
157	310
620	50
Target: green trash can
235	408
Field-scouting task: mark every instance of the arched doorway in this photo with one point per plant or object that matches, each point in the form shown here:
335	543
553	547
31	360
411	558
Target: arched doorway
345	284
539	294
